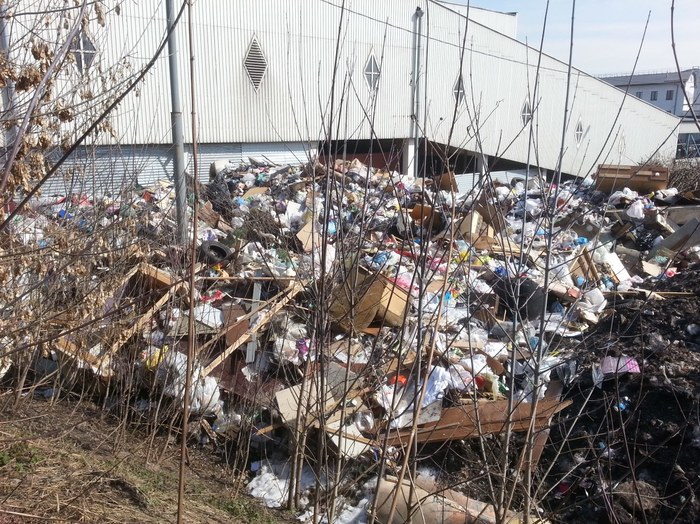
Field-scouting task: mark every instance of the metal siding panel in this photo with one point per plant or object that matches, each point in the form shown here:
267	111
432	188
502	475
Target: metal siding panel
293	100
467	181
110	170
209	153
278	153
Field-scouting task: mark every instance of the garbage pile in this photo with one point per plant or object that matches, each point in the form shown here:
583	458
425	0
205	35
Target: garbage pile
363	307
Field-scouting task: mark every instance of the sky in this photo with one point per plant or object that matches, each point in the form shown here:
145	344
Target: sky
607	33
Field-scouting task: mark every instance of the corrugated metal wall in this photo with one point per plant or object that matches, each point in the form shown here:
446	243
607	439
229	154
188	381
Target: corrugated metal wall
109	170
102	170
467	181
296	102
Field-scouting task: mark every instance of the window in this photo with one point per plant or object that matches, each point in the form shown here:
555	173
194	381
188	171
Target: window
638	94
255	63
83	51
669	94
458	90
578	133
372	73
526	113
654	96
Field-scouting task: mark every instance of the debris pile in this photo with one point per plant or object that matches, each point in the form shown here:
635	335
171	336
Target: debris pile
367	311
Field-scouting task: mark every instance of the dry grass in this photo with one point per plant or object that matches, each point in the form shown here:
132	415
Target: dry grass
62	463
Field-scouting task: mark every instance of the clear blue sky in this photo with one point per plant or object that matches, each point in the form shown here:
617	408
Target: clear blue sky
607	33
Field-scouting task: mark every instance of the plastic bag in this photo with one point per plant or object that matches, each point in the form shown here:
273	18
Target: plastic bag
636	210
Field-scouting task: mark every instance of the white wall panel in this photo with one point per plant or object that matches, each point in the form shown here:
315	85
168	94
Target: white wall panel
295	102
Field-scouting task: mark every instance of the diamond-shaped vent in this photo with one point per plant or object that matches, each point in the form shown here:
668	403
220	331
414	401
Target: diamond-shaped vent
578	133
255	63
458	90
83	51
372	73
526	113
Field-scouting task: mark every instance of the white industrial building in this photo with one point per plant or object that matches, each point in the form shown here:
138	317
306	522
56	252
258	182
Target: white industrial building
671	92
414	83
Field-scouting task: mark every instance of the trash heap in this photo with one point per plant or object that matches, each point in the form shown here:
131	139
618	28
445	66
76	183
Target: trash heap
358	307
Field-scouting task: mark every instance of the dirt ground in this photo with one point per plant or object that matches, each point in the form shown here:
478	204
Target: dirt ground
634	455
628	448
62	462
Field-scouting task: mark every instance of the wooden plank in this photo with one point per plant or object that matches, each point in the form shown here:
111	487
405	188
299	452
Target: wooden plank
232	325
98	364
156	276
540	441
263	320
486	417
143	320
247	279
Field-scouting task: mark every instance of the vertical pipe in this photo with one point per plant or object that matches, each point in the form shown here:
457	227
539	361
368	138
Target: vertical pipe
416	86
177	126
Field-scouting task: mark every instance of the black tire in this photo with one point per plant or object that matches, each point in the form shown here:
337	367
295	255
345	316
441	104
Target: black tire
531	302
213	252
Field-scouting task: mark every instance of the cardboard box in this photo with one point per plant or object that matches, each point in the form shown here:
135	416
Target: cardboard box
355	302
309	236
471	226
447	182
393	304
493	215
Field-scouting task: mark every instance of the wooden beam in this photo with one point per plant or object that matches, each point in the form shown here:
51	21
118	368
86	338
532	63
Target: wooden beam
232	325
143	320
263	320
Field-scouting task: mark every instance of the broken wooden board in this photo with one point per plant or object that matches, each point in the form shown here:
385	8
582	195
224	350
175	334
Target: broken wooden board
263	319
686	237
99	365
143	319
644	179
232	324
206	214
480	418
148	276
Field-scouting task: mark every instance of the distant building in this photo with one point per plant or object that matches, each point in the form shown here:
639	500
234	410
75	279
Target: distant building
666	91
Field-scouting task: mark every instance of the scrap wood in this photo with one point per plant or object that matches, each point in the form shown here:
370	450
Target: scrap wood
99	365
481	418
143	319
157	276
645	293
247	279
263	320
208	429
232	325
66	346
207	214
541	436
268	429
